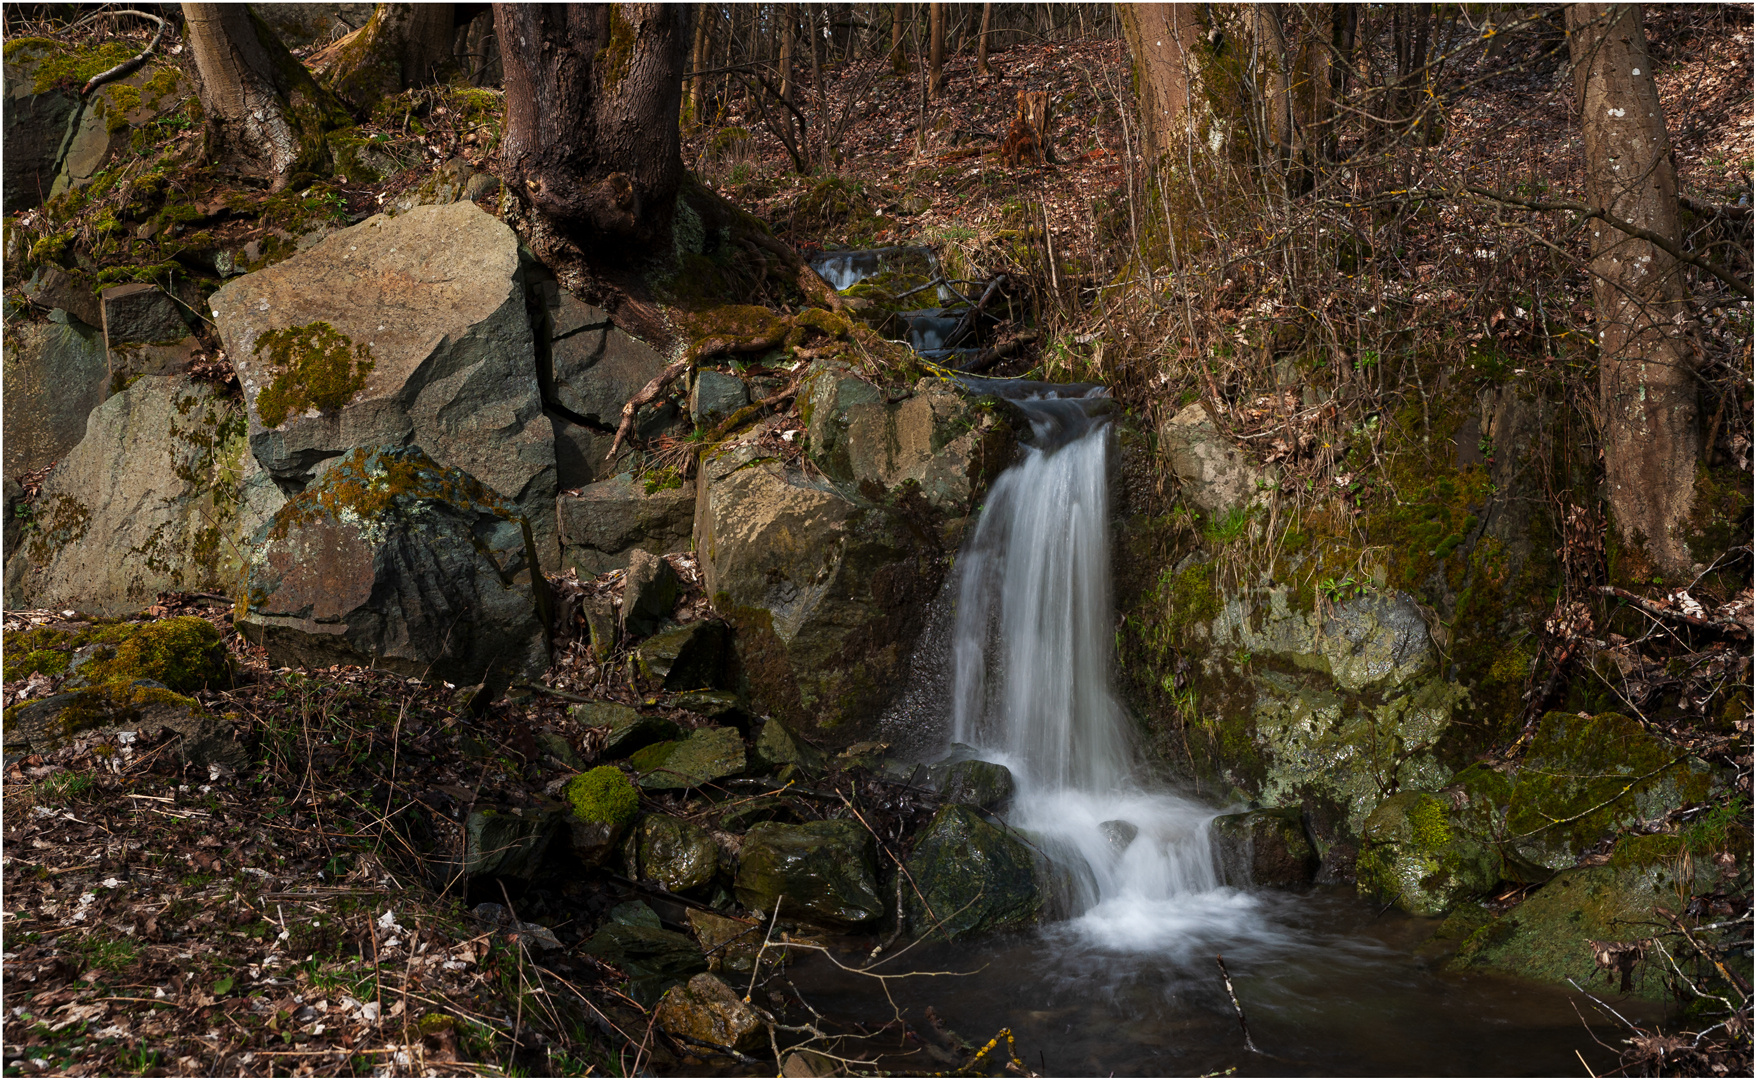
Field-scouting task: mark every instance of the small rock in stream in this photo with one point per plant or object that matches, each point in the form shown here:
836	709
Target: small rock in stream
1119	833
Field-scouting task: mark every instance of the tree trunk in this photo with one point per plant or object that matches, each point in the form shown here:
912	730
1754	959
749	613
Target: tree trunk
982	44
898	59
1646	384
1163	39
936	50
785	30
592	98
266	117
401	45
698	63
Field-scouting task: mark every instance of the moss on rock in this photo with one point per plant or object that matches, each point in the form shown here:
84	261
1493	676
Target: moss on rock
1411	856
315	366
603	795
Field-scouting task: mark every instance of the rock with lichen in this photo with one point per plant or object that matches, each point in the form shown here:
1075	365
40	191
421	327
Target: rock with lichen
706	1012
153	499
392	560
399	330
1413	857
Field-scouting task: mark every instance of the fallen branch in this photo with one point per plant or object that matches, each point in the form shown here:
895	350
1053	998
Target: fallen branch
132	64
987	358
712	346
1724	626
1713	209
968	323
1243	1025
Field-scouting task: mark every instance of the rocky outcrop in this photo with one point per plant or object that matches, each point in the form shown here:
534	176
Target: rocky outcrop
821	872
393	560
973	877
36	123
56	375
398	331
150	500
603	523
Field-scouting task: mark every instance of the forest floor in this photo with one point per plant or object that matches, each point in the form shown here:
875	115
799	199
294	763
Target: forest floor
279	919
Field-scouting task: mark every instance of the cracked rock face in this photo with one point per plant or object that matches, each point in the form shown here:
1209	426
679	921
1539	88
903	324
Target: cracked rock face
398	331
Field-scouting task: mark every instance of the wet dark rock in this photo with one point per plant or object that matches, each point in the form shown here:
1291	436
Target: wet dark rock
629	730
654	959
393	561
707	1011
603	523
508	842
975	877
556	746
1265	847
594	842
729	944
708	754
777	746
982	784
1119	833
1413	857
822	872
635	913
692	657
715	396
718	706
677	854
649	592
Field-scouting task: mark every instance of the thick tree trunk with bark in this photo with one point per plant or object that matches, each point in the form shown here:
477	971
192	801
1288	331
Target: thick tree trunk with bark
1163	39
1646	381
266	117
592	98
401	46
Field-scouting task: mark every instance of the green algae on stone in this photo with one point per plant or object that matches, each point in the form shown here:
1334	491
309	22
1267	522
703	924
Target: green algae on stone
602	795
316	366
1412	857
185	653
973	876
821	872
708	754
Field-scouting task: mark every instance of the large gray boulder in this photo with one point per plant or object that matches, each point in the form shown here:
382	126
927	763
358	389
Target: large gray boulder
827	595
1214	474
35	123
398	331
55	377
603	523
394	561
151	500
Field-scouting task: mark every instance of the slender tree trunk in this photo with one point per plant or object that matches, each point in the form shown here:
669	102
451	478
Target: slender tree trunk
785	29
982	44
401	45
936	50
266	117
1163	39
698	63
1646	383
592	98
814	21
898	59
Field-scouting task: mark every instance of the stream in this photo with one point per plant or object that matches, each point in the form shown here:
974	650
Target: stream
1128	982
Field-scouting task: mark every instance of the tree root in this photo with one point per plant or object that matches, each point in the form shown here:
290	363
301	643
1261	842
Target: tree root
709	346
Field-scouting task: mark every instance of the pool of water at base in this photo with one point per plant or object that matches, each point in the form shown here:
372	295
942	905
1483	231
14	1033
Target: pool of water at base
1336	989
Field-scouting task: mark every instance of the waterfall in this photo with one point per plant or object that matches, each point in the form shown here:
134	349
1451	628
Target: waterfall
1032	652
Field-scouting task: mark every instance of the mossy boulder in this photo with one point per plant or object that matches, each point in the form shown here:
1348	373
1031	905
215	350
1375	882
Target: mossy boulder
678	854
184	654
1411	856
821	872
630	730
653	959
708	754
705	1011
151	500
1587	778
508	841
974	877
100	712
394	561
985	785
399	330
777	745
601	803
1266	848
1560	931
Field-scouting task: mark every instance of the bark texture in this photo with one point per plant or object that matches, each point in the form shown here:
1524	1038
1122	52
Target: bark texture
982	42
592	99
266	116
1163	39
402	45
1646	382
936	49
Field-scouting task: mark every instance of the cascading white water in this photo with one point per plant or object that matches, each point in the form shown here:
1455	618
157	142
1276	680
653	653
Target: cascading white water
1032	654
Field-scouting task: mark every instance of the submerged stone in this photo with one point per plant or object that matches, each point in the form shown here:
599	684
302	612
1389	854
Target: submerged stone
1120	834
822	872
1266	847
973	876
1411	856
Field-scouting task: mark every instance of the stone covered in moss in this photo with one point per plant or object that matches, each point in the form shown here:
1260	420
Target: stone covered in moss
984	785
708	754
1586	778
707	1012
391	560
653	959
677	854
822	872
185	654
399	330
1411	856
974	877
98	712
603	795
777	746
629	730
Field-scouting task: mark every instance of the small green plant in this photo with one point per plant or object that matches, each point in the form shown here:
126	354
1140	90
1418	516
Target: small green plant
603	795
111	954
62	788
1225	530
1336	591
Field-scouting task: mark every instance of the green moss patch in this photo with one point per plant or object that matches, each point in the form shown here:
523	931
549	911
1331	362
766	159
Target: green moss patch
315	365
185	653
603	795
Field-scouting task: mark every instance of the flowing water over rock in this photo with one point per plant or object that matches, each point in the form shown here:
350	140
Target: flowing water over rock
1127	982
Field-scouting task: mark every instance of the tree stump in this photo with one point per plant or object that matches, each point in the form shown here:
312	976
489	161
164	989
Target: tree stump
1030	135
